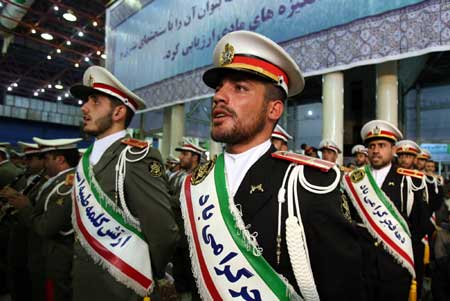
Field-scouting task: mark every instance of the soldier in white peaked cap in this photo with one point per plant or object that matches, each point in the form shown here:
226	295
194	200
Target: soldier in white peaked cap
280	138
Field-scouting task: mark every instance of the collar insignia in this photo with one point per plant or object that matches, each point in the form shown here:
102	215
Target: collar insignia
202	171
391	184
254	188
227	55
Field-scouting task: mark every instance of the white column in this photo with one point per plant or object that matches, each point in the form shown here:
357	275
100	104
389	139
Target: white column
387	92
173	129
215	148
333	109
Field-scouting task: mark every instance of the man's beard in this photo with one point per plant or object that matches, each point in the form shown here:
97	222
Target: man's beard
238	132
103	124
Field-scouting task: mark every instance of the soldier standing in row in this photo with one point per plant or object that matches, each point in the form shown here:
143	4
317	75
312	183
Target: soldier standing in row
407	151
330	150
434	188
359	153
390	218
125	228
280	138
245	210
50	218
190	156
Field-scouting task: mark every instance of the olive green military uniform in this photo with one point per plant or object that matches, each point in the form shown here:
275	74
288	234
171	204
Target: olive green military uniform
50	219
147	198
23	246
8	172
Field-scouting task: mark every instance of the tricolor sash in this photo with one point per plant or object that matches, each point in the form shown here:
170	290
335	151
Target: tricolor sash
226	263
380	216
107	235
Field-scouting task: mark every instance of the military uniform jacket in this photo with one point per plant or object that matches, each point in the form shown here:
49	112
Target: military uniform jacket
379	262
332	242
50	219
147	198
8	172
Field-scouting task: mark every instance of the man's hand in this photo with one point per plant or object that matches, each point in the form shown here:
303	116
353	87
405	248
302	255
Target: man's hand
14	197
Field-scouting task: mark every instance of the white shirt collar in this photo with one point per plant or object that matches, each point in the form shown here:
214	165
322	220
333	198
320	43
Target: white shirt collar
4	162
237	165
101	145
380	174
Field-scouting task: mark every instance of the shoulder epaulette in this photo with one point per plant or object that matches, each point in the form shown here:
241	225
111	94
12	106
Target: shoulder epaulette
202	171
345	169
69	179
304	160
135	142
410	172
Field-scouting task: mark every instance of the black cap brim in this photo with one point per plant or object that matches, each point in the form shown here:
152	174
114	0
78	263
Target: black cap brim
82	92
213	76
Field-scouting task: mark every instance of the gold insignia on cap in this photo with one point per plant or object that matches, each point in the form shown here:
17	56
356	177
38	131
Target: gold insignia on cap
91	80
201	172
227	55
376	130
60	202
254	188
155	168
405	148
357	175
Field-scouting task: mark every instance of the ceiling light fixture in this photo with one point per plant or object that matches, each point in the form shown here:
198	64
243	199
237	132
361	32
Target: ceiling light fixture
80	102
80	34
36	94
68	43
49	86
66	95
94	23
46	36
49	57
15	85
69	16
86	59
76	65
99	52
59	86
33	31
9	89
58	50
59	97
43	90
55	8
103	56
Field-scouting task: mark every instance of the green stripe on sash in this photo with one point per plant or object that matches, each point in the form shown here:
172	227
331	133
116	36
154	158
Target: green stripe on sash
100	196
382	196
265	271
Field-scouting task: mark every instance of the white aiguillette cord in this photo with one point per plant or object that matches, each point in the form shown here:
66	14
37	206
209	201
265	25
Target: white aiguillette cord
295	233
120	178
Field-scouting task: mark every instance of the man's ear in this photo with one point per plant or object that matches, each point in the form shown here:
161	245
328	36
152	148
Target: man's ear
60	159
119	113
275	109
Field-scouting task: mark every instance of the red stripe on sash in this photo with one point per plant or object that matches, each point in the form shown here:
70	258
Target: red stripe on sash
109	256
206	277
375	227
